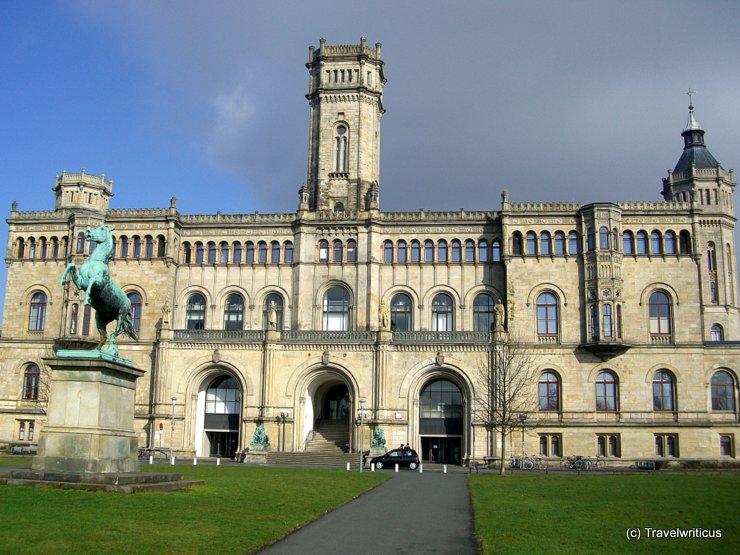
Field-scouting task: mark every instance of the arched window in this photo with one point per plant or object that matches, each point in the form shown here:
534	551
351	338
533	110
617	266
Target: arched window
628	242
442	313
401	251
723	391
224	255
54	247
559	242
341	149
428	251
469	250
339	210
137	246
323	250
288	252
496	251
545	243
186	252
237	257
606	392
135	300
124	248
278	300
711	257
195	312
275	252
234	312
442	250
31	378
32	248
442	399
483	250
547	314
73	316
199	252
483	312
415	251
663	394
43	248
401	312
351	250
641	242
531	243
21	250
595	321
80	242
388	252
517	248
149	247
717	333
604	238
591	239
660	313
684	242
336	310
549	391
606	317
656	243
211	252
262	252
37	315
456	250
573	243
670	242
161	246
91	246
250	252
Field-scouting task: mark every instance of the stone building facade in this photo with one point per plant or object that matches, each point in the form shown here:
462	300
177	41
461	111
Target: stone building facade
629	310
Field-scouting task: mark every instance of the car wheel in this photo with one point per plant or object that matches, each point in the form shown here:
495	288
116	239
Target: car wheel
378	465
412	466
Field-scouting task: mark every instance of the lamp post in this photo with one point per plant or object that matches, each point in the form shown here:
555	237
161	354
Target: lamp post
362	426
522	420
172	424
283	418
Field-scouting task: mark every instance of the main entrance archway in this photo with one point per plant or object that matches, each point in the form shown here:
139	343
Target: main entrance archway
328	413
441	422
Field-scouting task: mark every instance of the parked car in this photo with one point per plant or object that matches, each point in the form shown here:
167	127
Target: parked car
400	457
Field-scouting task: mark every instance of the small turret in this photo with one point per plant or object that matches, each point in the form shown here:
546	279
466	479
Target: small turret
76	191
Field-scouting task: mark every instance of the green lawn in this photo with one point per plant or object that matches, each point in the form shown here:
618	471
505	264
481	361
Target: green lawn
591	514
238	510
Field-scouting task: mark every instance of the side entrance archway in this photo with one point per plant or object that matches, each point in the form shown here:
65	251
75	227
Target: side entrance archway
217	424
327	413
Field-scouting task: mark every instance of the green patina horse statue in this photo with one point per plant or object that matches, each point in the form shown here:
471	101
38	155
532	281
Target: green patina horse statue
101	292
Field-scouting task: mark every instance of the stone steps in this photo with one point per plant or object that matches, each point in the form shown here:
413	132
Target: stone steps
313	458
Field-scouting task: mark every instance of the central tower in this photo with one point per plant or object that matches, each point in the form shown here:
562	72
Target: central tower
345	97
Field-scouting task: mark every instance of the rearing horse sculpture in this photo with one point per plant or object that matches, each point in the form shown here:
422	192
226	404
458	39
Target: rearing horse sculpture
109	302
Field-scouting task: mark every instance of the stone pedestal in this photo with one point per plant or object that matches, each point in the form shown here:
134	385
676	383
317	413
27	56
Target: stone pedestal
90	419
257	454
374	452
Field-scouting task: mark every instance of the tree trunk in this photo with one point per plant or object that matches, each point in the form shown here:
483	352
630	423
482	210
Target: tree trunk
503	453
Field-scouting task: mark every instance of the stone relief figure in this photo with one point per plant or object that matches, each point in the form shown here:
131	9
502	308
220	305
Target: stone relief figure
384	315
378	438
272	316
259	439
166	314
101	292
499	316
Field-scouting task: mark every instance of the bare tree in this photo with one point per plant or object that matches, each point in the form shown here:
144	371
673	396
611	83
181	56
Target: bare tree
509	388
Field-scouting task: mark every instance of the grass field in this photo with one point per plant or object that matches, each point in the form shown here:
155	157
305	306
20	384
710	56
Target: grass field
592	514
238	510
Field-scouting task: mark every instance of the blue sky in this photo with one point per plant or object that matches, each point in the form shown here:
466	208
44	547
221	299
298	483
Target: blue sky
550	100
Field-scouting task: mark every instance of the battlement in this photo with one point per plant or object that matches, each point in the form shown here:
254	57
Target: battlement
83	178
343	50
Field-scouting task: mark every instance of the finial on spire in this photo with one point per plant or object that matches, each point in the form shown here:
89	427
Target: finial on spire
691	124
690	93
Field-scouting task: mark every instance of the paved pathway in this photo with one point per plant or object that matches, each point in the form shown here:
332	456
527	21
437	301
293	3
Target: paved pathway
410	513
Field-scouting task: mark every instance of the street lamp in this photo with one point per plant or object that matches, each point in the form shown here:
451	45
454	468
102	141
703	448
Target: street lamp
283	418
172	424
522	420
362	424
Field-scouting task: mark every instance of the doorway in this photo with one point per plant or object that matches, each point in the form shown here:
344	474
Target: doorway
446	450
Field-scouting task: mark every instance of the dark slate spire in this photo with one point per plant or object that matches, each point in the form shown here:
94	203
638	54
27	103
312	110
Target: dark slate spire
695	152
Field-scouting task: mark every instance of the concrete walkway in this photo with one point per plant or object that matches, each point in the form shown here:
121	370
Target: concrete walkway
410	513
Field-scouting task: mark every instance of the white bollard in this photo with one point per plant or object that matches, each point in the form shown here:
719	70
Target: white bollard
348	466
218	462
195	461
445	469
172	461
151	459
421	469
396	467
372	467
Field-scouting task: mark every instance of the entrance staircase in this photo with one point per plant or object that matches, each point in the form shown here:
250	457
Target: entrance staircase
325	448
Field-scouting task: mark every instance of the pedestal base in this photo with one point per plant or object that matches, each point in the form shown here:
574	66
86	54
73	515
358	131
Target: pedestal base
90	420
